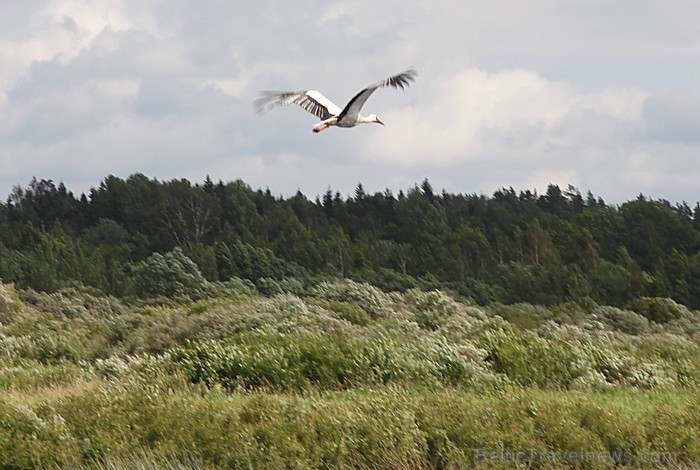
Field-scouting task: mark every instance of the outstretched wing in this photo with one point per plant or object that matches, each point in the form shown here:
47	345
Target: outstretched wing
312	101
400	81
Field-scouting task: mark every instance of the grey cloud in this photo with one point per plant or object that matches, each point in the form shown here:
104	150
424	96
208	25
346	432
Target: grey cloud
673	117
167	97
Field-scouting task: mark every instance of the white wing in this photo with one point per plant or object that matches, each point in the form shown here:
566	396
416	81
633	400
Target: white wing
312	101
400	81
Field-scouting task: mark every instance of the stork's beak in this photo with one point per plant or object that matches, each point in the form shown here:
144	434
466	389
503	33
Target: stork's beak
379	122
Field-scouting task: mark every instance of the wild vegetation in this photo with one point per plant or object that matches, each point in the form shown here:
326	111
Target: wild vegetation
130	341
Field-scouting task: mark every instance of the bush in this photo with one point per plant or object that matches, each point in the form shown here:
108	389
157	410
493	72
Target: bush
175	276
344	310
74	303
625	321
305	361
372	300
658	309
233	287
32	435
284	362
528	359
270	287
171	275
524	316
431	308
10	303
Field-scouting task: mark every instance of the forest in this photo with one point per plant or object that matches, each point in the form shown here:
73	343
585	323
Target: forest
166	324
508	247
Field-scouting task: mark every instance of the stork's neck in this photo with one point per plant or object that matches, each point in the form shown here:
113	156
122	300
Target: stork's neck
366	119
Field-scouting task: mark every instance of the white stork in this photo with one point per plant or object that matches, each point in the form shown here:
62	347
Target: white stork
329	113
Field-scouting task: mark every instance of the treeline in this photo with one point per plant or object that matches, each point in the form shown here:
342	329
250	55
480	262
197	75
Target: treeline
509	247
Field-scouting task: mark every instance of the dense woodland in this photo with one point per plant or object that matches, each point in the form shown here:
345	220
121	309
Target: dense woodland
509	247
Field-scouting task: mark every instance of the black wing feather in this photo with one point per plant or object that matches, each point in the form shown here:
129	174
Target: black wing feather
400	82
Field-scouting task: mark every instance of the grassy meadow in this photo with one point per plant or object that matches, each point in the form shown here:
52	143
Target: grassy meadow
342	375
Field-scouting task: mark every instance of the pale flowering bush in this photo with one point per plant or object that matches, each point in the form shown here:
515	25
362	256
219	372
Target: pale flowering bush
648	375
637	361
462	365
592	379
41	346
26	418
73	303
115	366
569	356
433	309
461	326
470	351
14	346
289	313
435	300
157	329
284	304
349	312
626	321
372	300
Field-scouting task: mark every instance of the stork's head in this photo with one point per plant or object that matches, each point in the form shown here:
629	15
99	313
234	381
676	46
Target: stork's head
374	118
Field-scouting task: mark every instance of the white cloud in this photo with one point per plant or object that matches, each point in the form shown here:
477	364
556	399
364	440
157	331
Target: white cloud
483	131
474	114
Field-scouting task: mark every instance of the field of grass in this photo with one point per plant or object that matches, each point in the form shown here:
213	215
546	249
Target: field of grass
342	375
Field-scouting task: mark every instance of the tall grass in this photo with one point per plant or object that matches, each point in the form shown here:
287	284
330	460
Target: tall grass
382	427
345	377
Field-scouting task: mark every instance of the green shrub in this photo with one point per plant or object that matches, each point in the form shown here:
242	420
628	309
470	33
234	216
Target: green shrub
657	309
153	330
32	436
291	362
170	275
307	361
233	287
524	316
528	359
31	375
455	366
352	313
271	287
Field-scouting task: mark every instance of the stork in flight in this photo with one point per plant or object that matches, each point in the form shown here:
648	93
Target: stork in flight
329	113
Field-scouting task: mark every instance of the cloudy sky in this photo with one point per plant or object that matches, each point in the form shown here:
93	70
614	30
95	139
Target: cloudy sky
600	94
